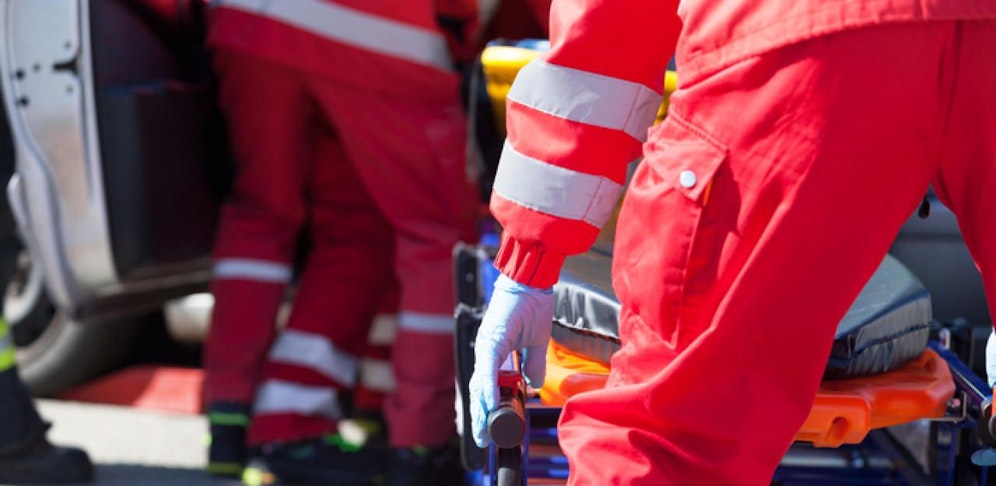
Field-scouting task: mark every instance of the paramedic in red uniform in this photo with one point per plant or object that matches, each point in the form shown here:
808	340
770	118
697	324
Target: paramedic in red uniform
356	101
801	136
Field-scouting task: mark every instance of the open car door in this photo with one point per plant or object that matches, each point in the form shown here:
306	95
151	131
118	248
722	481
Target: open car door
120	162
120	169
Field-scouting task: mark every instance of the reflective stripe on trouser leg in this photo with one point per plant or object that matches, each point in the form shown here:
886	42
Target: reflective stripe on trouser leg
309	370
374	383
755	280
287	410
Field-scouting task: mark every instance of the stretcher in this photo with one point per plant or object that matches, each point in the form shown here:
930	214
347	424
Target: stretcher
892	379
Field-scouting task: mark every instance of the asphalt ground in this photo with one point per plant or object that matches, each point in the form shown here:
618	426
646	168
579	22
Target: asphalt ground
133	446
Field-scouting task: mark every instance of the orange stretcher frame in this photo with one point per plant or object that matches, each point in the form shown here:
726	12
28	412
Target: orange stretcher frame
845	410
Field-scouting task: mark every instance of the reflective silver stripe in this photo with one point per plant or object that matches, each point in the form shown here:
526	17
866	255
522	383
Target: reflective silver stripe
278	397
586	97
251	269
377	375
355	28
553	190
317	353
427	323
382	330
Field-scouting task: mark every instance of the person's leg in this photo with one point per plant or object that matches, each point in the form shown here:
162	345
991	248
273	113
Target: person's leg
410	155
348	269
268	119
966	182
765	202
25	453
376	378
26	456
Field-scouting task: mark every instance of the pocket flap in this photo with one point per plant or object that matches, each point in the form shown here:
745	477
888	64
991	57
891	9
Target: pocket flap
685	159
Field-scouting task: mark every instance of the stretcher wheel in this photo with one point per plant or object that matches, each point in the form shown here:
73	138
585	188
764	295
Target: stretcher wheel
509	470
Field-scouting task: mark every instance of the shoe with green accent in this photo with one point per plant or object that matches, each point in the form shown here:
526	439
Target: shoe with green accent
257	473
331	459
426	466
227	443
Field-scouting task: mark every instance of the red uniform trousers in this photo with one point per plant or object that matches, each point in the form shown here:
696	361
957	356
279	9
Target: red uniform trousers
764	203
291	177
397	157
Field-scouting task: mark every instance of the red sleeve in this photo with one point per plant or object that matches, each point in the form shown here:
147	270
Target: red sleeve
576	117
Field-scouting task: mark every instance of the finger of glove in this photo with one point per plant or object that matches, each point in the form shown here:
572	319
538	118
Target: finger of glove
488	356
534	365
479	410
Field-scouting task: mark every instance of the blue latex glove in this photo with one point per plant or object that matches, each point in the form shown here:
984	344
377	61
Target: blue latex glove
518	317
991	360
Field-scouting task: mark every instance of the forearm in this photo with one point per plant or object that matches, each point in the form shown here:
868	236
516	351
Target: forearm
577	117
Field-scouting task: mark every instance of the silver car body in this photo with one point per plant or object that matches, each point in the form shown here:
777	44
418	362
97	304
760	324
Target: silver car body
59	193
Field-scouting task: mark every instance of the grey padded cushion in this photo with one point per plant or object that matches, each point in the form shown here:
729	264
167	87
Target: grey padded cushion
887	325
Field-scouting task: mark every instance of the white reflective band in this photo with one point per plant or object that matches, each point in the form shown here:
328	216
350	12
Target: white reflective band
314	352
377	375
553	190
279	397
251	269
382	330
586	97
427	323
355	28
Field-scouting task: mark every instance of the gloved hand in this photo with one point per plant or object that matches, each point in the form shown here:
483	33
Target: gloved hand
518	317
991	360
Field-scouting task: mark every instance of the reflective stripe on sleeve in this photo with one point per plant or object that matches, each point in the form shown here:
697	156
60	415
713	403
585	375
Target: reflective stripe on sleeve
251	269
355	28
585	97
377	375
317	353
282	397
554	190
426	323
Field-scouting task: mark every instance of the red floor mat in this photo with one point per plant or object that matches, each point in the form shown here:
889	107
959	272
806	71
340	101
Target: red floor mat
151	387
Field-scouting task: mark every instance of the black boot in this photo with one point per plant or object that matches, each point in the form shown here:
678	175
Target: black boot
38	462
227	423
26	456
426	466
331	459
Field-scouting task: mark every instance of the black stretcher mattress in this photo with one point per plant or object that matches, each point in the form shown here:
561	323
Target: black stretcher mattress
887	325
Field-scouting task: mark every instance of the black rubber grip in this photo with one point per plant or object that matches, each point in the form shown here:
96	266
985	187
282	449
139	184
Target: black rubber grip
507	425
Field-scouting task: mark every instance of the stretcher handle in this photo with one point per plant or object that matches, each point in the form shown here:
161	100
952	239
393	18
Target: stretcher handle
987	422
507	423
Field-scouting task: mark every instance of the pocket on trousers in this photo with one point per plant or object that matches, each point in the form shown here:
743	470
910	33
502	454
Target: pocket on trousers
682	168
